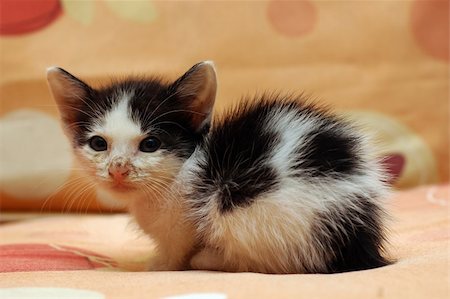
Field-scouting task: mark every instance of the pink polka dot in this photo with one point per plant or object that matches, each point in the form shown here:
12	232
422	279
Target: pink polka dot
394	164
46	257
20	17
292	18
430	27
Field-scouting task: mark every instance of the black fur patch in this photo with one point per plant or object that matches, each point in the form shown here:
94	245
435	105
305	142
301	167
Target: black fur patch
329	152
158	109
237	150
91	108
153	104
354	237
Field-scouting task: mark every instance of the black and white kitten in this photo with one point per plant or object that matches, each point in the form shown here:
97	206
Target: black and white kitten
275	186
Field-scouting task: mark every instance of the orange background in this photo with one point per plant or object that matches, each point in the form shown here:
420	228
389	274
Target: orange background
384	63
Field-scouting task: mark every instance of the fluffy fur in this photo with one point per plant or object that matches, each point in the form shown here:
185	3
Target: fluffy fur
276	186
280	186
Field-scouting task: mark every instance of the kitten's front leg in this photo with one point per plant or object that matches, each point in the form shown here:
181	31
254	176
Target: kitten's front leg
172	256
209	259
172	234
163	262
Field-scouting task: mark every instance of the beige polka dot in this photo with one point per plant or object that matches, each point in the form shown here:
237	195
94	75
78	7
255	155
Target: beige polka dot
35	155
82	11
392	136
137	11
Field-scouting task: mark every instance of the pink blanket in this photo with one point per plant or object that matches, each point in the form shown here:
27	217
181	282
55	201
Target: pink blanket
100	256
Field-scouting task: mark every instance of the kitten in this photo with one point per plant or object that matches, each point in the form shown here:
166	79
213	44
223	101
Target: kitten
276	186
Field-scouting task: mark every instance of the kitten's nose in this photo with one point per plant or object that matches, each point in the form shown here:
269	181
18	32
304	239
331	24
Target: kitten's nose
119	171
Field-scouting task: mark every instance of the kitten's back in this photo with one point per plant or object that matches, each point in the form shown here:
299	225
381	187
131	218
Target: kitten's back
280	186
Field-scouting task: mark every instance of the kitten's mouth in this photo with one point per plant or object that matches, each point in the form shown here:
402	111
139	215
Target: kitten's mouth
121	187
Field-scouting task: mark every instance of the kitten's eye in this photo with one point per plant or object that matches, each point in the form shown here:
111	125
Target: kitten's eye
98	144
149	145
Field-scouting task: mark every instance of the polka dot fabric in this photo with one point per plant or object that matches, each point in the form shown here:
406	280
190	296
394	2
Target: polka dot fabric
384	63
292	18
428	19
103	256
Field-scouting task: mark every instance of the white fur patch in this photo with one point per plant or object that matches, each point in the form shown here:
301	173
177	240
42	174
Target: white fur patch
118	126
292	129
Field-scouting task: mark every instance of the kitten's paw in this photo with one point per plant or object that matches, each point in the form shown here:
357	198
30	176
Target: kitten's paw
162	263
207	260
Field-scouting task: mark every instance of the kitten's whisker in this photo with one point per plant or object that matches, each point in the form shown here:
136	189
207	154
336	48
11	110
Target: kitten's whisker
169	188
77	124
156	184
175	111
80	195
84	196
97	107
79	110
60	188
73	192
163	187
151	193
171	122
157	107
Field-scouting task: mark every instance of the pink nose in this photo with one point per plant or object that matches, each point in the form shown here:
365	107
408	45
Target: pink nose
118	172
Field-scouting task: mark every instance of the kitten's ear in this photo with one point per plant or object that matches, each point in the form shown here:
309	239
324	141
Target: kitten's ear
68	92
197	88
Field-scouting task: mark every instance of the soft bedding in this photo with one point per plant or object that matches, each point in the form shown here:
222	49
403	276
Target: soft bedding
103	255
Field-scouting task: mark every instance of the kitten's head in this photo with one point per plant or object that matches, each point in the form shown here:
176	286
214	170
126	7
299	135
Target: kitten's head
135	134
